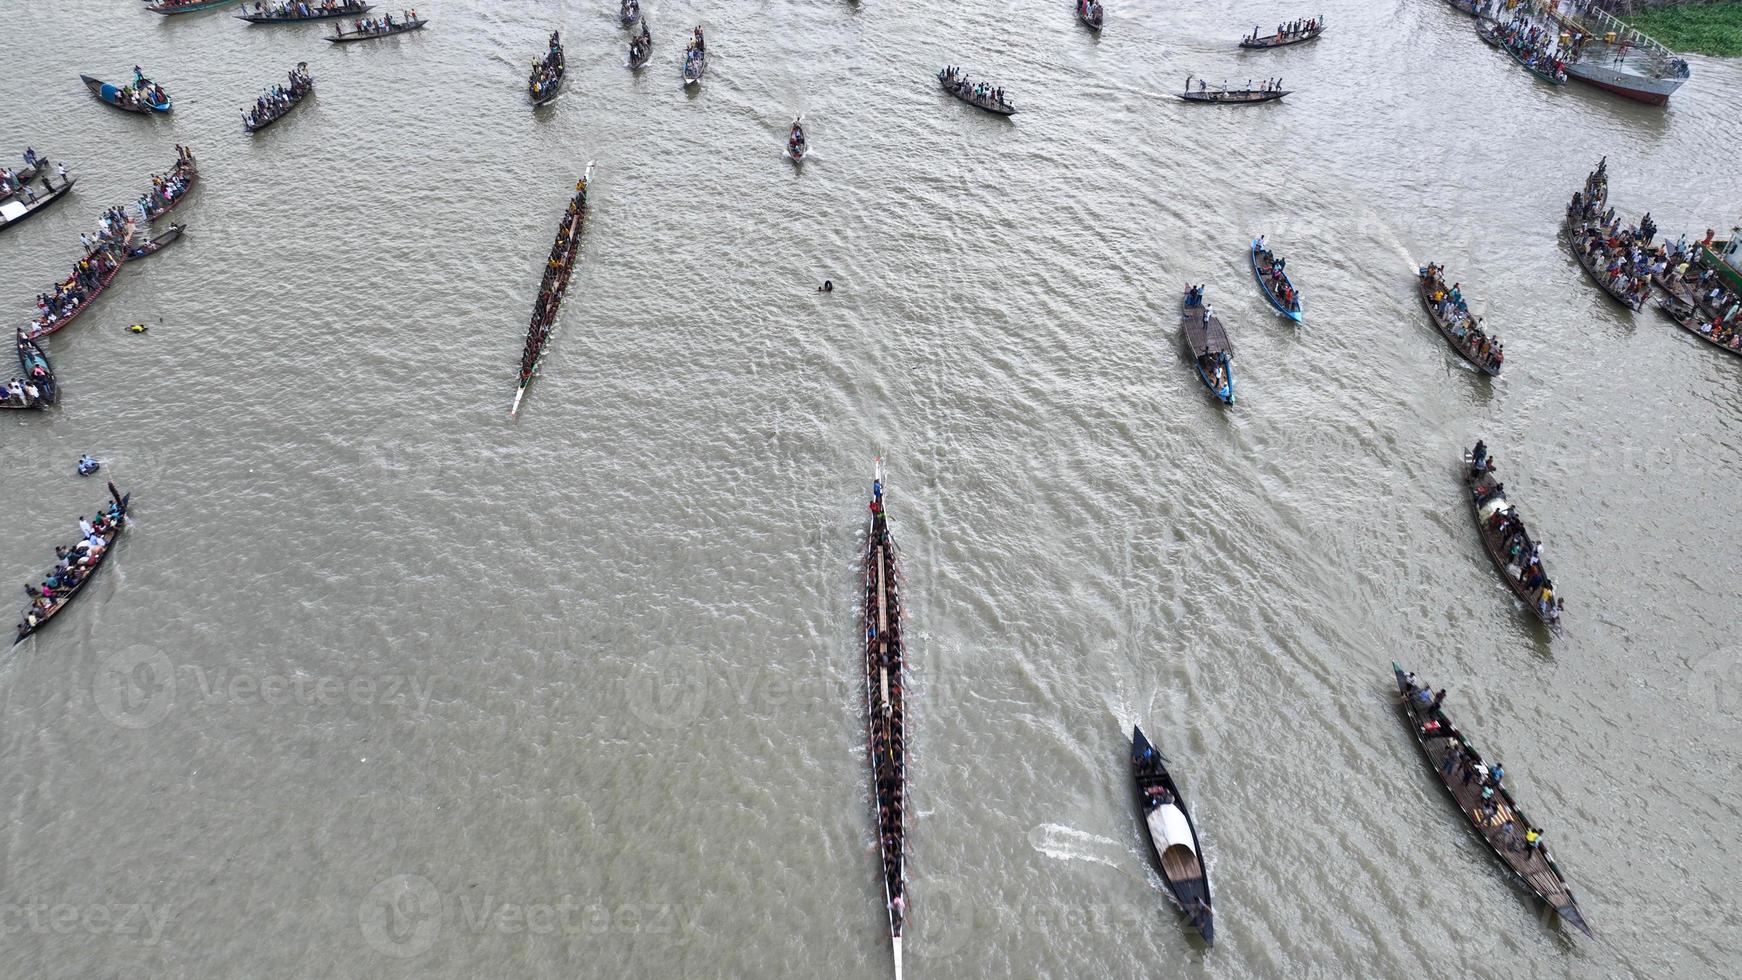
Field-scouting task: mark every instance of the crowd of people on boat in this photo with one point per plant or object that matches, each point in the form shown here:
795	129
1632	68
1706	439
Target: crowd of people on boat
556	279
385	24
89	274
1494	810
278	99
1522	555
1618	257
547	71
696	55
1535	46
628	12
303	10
15	179
1091	11
978	92
640	47
1275	279
29	390
884	661
145	90
1710	307
72	565
1289	30
168	189
1454	312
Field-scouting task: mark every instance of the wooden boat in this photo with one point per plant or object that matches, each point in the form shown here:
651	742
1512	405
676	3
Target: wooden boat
546	92
695	59
186	164
629	13
1574	226
288	15
1494	542
1092	13
152	246
400	27
1424	286
1475	8
796	144
24	175
1687	312
84	304
958	85
172	7
641	47
1172	835
117	97
550	290
17	210
1233	96
295	100
1283	40
1454	760
30	359
1490	32
885	709
34	621
1211	351
1262	261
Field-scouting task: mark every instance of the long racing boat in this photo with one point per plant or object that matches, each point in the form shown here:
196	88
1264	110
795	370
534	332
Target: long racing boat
886	732
550	291
1484	801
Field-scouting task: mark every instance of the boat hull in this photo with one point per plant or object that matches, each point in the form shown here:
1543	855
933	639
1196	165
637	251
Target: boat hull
1651	91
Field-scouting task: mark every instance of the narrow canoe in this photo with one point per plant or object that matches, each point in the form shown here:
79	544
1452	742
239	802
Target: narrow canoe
1495	543
1261	264
399	28
629	13
1282	40
285	110
1173	836
1234	96
546	93
152	246
1453	760
187	8
962	89
694	69
17	210
1092	17
1424	286
319	13
26	627
187	166
796	144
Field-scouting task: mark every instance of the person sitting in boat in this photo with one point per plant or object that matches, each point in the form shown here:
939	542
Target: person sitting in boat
87	465
1479	461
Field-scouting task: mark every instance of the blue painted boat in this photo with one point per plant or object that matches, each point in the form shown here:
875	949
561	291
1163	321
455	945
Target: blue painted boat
1211	351
119	97
1261	259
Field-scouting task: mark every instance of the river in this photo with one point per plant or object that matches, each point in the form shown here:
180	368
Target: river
383	684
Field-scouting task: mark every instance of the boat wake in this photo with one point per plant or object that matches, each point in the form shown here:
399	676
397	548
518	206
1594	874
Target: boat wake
1070	844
